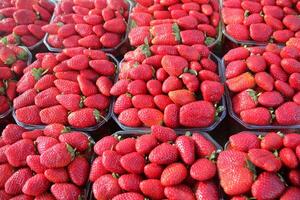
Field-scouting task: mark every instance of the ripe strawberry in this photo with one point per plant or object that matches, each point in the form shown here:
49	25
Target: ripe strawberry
244	141
36	31
294	177
164	154
232	15
106	187
125	146
145	143
54	114
272	141
54	130
129	117
57	175
267	186
77	140
208	86
241	82
78	171
84	117
152	188
32	111
110	40
186	148
163	50
120	87
239	32
287	113
288	158
174	65
71	102
130	182
137	35
45	196
36	185
94	54
111	161
264	80
59	155
171	116
78	62
45	82
4	195
244	100
208	170
65	191
3	158
250	116
24	16
179	192
284	88
43	143
162	101
236	54
291	193
207	190
133	163
34	162
150	116
97	169
103	67
173	174
264	159
8	56
163	134
12	133
6	171
153	171
67	87
46	98
171	83
69	42
270	99
16	153
122	103
129	195
16	182
104	85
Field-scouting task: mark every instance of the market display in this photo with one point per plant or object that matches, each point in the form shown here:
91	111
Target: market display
263	21
90	24
127	99
264	82
265	166
21	21
70	88
43	164
171	171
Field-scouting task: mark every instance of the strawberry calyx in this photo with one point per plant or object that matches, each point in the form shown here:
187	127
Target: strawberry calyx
2	90
188	133
37	73
213	156
98	116
71	150
272	114
22	55
146	48
4	40
66	130
247	13
115	175
176	32
81	103
252	94
280	134
11	59
132	24
276	154
219	109
252	168
209	40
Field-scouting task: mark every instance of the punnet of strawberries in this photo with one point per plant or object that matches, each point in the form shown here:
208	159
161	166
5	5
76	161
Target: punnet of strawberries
158	165
261	21
264	84
21	21
261	165
13	60
172	22
92	24
53	163
71	88
177	86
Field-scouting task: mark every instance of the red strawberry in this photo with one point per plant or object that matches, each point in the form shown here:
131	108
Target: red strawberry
7	55
120	87
190	81
79	171
153	171
6	171
236	54
110	40
78	62
145	143
103	67
65	191
44	143
59	155
291	193
130	182
12	133
264	80
43	13
239	32
122	103
171	116
24	16
267	186
36	185
104	85
90	41
270	99
71	102
232	15
77	140
125	146
45	82
208	170
163	134
67	87
207	190
16	153
250	116
32	111
138	35
67	75
111	162
244	100
106	143
177	97
57	175
3	158
241	82
34	162
244	141
95	54
87	87
257	35
133	163
284	88
173	174
272	141
45	196
171	83
16	182
129	117
208	86
186	148
154	87
84	117
116	25
288	158
54	130
97	101
97	169
178	192
54	114
163	154
36	31
152	188
129	195
174	65
150	116
46	98
66	30
264	159
288	113
256	63
83	29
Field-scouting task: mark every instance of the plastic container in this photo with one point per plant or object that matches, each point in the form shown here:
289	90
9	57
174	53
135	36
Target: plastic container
92	128
3	115
228	95
130	133
221	115
109	50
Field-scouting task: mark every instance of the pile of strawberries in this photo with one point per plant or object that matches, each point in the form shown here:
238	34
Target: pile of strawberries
43	164
71	88
21	21
88	23
173	22
261	21
263	167
177	86
13	60
264	84
159	165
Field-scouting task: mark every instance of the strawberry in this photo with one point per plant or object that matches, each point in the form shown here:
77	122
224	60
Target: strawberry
7	171
84	117
32	135
163	154
110	40
171	116
174	65
264	80
67	87
3	158
251	116
197	114
97	169
111	162
171	83
291	22
288	158
106	143
173	174
269	182
208	86
163	50
130	182
236	54
138	35
36	31
22	197
23	113
18	159
45	82
177	97
165	39
69	42
233	171
270	99
90	75
7	56
129	117
67	75
190	81
145	143
46	98
36	185
207	190
45	196
90	41
54	130
43	143
294	81
208	170
34	162
24	16
78	62
98	66
256	63
65	191
12	133
152	188
71	102
16	182
94	54
244	100
282	36
54	114
128	195
153	171
79	171
186	148
57	175
178	192
116	25
87	87
150	116
122	103
239	32
50	157
264	159
142	72
163	134
287	113
133	163
83	29
43	13
244	141
66	30
104	85
232	15
125	146
154	87
208	75
77	140
284	88
52	28
241	82
272	141
120	87
291	193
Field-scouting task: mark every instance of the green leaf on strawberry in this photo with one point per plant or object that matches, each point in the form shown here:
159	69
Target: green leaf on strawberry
132	24
176	32
252	168
37	73
209	40
146	48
